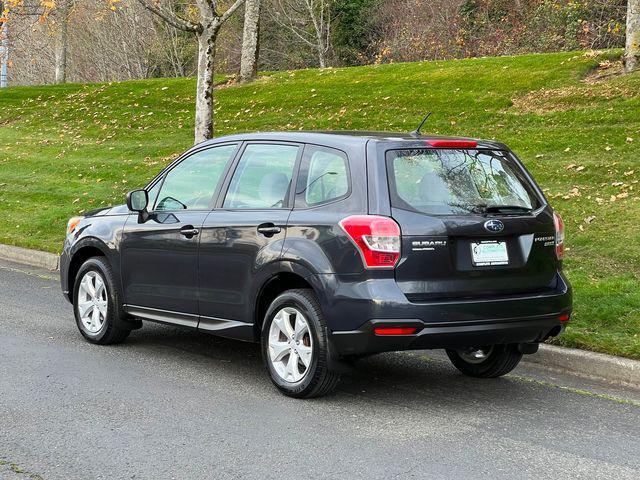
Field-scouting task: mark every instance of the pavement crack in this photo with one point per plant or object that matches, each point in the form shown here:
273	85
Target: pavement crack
13	467
578	391
30	273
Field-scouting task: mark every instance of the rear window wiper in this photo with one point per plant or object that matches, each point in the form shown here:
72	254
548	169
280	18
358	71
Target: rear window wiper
503	208
484	209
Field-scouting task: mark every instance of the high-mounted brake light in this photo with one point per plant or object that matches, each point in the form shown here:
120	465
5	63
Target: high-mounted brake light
559	224
394	330
453	143
377	239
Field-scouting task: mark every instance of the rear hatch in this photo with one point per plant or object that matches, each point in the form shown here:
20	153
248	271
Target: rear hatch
473	225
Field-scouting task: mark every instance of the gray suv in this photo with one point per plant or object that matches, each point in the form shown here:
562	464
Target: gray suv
326	247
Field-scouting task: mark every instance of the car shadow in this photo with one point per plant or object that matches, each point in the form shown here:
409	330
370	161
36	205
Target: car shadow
405	378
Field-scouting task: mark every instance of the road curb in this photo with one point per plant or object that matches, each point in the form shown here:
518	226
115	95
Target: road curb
33	258
583	363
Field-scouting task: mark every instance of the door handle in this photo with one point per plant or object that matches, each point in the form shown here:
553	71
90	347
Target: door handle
268	229
189	231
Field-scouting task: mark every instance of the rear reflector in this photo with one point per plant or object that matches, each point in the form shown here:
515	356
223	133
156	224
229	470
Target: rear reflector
564	317
395	330
453	143
559	224
377	239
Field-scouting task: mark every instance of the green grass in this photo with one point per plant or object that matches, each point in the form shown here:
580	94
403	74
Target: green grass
67	149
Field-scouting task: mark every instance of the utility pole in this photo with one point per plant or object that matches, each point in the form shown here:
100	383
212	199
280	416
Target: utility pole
4	49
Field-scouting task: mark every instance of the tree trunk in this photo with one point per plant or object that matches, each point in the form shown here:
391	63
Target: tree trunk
204	88
249	61
4	54
321	56
61	45
632	51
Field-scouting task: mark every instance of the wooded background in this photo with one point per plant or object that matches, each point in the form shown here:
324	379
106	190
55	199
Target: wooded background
114	40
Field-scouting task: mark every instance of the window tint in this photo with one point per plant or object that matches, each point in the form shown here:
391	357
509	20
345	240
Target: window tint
323	176
456	181
191	184
263	177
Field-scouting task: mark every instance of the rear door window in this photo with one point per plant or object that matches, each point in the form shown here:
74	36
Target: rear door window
324	177
262	178
449	182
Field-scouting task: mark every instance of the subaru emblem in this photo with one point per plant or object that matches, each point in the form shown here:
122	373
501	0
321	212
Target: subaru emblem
493	226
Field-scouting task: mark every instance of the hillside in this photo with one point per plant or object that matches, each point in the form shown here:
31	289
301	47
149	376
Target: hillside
67	149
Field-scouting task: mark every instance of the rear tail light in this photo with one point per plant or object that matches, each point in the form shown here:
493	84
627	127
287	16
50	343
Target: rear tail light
564	317
377	239
395	330
559	224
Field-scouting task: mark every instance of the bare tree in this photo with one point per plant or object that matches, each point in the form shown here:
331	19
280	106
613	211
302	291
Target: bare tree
249	60
30	9
309	21
61	26
206	29
4	46
632	52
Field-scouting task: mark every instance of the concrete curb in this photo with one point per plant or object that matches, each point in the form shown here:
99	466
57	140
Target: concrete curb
33	258
599	366
592	365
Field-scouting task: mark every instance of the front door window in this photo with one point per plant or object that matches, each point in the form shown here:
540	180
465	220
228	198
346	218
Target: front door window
190	184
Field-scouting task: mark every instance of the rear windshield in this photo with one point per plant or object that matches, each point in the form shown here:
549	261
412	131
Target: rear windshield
446	182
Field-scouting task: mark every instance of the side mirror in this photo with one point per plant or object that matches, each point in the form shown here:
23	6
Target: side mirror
138	200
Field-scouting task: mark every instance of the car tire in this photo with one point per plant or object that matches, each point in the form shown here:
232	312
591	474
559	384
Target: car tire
494	361
297	356
98	312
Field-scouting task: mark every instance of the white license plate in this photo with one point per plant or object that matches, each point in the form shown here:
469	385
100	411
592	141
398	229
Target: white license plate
485	254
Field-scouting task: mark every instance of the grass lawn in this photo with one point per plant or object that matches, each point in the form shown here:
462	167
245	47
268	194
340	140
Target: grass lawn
67	149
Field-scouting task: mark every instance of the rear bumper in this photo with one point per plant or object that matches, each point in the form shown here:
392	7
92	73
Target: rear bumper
455	335
354	310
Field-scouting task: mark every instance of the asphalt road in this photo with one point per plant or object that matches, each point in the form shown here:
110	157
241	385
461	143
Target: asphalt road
171	403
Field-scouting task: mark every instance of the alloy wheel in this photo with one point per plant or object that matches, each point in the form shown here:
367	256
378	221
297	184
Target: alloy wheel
475	355
92	301
290	345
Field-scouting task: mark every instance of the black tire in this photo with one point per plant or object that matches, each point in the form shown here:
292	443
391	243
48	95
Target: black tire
500	361
318	380
111	330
